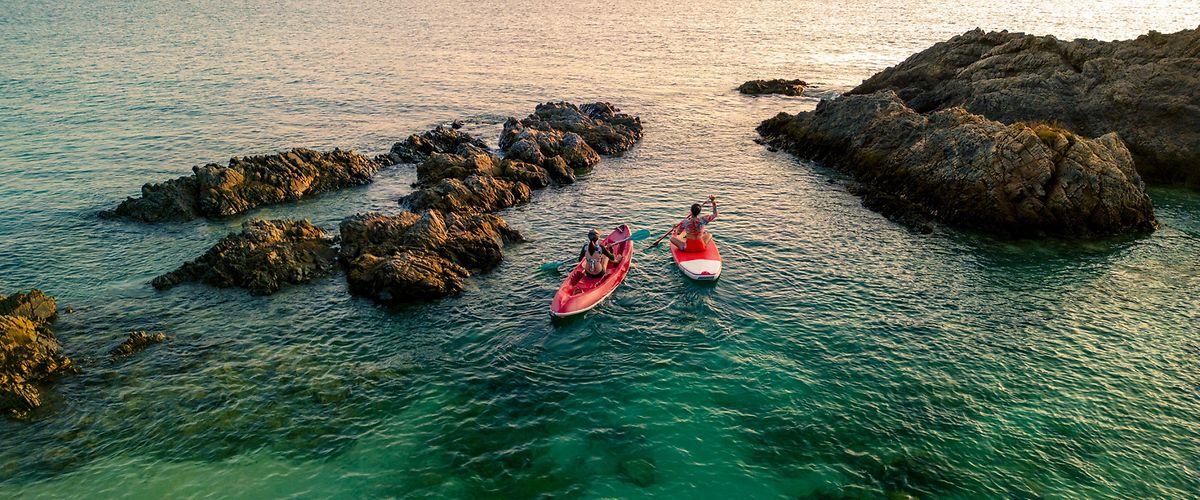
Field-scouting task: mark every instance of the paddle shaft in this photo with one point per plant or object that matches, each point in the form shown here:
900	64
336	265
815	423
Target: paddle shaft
638	235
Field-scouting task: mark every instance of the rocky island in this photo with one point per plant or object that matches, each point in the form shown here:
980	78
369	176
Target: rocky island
245	183
1147	90
963	169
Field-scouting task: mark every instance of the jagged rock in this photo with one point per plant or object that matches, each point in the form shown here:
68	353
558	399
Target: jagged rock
477	193
264	257
963	169
34	305
246	183
405	277
1147	90
776	86
410	257
137	342
529	174
30	355
541	147
599	124
465	161
417	148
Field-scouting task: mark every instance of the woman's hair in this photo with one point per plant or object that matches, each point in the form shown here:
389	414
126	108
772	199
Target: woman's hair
695	209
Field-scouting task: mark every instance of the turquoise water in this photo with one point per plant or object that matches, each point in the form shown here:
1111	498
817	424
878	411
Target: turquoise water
840	354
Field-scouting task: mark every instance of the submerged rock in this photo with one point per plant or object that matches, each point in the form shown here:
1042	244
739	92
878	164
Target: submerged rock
413	257
638	471
137	342
1147	90
246	183
600	124
264	257
963	169
30	355
775	86
418	147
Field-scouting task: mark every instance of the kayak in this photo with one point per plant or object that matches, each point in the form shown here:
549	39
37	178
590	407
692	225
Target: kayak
579	293
700	266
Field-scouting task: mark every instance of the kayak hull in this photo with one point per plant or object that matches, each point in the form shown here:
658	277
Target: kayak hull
580	293
699	266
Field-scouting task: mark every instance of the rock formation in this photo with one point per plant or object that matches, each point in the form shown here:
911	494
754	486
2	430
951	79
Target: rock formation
776	86
246	183
137	342
549	145
559	153
418	147
447	235
30	355
601	125
477	193
963	169
1146	90
264	257
413	257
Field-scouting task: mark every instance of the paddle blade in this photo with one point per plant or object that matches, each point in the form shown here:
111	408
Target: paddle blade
551	266
639	235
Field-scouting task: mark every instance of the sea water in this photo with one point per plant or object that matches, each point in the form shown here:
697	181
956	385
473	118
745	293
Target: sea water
839	354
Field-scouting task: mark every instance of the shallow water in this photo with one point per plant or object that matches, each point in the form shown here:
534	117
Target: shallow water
839	354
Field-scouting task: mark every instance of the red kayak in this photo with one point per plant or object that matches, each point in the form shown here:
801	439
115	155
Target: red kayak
704	265
580	292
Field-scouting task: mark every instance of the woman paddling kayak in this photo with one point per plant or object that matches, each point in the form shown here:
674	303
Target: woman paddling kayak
690	234
594	256
582	291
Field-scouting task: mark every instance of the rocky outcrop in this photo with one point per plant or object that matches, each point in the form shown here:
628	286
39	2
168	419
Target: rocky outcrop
137	342
559	153
775	86
419	147
600	124
963	169
414	257
448	233
477	193
30	355
245	183
1146	90
547	146
264	257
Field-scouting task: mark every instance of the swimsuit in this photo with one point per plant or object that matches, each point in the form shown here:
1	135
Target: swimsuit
592	260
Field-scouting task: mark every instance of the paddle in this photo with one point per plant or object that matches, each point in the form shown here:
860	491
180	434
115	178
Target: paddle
668	233
639	235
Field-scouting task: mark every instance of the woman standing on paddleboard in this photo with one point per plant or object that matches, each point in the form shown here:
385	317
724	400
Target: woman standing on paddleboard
690	235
